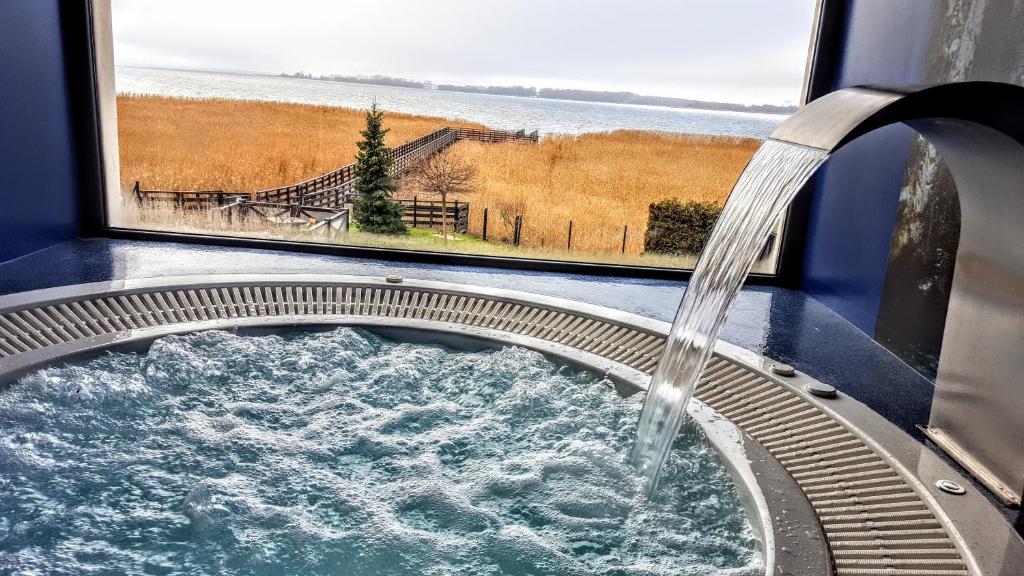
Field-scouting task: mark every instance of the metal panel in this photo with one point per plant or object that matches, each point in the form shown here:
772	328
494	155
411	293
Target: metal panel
978	410
978	128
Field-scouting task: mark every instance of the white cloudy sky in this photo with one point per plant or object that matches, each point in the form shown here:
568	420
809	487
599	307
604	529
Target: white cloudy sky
750	51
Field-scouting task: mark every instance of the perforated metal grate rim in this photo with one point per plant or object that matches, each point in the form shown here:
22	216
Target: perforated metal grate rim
874	522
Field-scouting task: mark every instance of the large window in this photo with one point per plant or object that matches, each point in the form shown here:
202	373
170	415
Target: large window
607	132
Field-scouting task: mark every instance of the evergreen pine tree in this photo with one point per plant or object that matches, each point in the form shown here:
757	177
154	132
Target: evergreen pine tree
375	211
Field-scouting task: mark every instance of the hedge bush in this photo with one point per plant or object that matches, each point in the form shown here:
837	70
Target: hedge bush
679	228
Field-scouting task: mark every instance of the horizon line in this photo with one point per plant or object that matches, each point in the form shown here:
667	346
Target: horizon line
239	71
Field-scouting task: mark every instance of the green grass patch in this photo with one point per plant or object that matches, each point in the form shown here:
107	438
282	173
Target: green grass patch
414	239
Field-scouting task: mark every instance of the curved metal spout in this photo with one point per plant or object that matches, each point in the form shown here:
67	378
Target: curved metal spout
832	121
978	128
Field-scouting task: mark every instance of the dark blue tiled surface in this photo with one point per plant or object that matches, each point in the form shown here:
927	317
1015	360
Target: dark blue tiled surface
784	324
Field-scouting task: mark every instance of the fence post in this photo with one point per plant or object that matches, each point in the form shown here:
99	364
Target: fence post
455	216
485	225
568	243
518	230
625	230
414	211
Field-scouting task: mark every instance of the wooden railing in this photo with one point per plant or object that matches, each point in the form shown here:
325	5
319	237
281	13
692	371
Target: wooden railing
184	199
496	136
327	189
334	188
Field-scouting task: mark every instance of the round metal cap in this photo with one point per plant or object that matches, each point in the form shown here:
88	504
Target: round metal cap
950	487
782	369
821	390
393	279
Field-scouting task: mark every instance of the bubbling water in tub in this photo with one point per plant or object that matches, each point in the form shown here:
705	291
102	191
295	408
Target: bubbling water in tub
342	452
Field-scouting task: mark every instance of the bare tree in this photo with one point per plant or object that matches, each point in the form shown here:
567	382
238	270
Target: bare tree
443	175
509	209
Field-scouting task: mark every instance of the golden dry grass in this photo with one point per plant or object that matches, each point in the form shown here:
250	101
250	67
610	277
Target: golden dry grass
241	145
601	182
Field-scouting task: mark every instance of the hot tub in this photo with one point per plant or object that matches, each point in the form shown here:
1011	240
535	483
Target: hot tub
820	493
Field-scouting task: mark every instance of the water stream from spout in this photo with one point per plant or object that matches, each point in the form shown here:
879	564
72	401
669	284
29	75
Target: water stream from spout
765	188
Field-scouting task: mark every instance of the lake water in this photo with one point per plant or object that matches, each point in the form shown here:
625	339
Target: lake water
499	112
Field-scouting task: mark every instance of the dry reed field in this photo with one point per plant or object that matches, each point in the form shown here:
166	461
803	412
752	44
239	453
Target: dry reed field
601	182
242	145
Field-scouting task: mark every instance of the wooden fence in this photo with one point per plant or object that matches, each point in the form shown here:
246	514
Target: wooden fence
184	199
333	189
428	213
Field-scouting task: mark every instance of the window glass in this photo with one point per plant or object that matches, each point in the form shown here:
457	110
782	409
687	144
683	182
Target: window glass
607	132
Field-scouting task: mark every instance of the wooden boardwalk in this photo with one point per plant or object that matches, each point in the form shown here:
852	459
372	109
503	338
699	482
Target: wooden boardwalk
335	189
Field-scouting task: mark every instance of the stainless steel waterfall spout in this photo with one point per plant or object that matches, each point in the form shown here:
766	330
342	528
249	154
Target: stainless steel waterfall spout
978	128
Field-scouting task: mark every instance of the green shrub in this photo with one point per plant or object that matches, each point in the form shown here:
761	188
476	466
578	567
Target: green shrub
679	228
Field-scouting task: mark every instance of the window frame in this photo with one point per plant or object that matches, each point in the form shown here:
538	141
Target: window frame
88	47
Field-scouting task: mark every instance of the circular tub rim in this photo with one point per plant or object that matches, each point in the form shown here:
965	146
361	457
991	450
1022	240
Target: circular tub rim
854	420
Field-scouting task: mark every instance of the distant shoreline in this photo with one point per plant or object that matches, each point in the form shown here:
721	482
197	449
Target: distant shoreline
601	96
560	94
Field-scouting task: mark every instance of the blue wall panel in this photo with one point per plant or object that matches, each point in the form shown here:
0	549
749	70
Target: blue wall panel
853	210
37	173
851	224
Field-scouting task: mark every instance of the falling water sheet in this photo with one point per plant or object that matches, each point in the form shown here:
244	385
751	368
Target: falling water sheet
765	188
